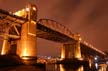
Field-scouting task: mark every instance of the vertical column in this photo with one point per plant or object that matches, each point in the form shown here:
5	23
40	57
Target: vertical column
6	45
71	50
77	51
91	61
27	44
63	53
103	67
67	51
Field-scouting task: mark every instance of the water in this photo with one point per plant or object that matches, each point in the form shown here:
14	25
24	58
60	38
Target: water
54	67
48	67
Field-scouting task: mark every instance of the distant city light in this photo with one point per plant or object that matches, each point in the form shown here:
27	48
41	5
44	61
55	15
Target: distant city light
96	65
107	62
95	58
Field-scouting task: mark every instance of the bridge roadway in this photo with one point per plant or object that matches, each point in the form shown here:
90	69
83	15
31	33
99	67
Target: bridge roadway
47	29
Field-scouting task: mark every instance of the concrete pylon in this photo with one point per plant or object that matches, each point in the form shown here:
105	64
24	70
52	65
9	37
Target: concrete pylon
77	50
6	44
67	51
27	44
71	50
5	47
91	61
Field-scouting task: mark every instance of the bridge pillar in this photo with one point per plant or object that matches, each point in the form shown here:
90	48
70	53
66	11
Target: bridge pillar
67	51
5	47
91	61
6	44
71	51
27	44
102	67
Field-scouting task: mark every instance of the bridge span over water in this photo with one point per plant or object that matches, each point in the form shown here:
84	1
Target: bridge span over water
20	30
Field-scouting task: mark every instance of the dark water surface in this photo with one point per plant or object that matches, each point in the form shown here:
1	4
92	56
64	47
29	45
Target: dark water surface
62	68
49	67
14	63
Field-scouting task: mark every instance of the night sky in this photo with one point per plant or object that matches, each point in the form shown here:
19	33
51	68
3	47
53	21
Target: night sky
87	17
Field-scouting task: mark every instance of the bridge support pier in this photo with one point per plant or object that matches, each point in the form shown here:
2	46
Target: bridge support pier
27	44
5	47
91	61
70	51
6	44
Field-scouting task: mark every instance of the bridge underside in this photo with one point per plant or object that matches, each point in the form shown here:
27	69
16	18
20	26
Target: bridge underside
49	34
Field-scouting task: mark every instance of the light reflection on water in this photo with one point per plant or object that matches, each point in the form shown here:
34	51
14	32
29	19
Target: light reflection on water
52	67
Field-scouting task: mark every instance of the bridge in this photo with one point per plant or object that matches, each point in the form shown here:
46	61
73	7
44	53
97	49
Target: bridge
20	30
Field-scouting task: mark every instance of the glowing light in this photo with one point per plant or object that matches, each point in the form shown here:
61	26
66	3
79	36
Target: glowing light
61	68
96	65
34	8
78	55
31	34
80	68
27	9
95	58
25	52
63	53
78	52
80	39
107	62
21	13
4	49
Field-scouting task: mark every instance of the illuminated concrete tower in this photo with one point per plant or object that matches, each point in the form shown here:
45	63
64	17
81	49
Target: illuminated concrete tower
26	46
71	50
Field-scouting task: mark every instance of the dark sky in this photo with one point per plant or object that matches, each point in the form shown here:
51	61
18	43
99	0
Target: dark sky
87	17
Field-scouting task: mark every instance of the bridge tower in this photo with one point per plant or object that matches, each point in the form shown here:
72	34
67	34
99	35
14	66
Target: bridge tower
27	44
72	50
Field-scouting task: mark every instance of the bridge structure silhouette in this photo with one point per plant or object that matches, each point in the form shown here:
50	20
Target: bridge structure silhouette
21	29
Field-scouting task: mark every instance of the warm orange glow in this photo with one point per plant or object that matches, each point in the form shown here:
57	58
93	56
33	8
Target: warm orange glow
27	9
103	67
25	58
62	68
90	63
25	51
34	8
4	49
80	68
63	53
21	13
77	52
